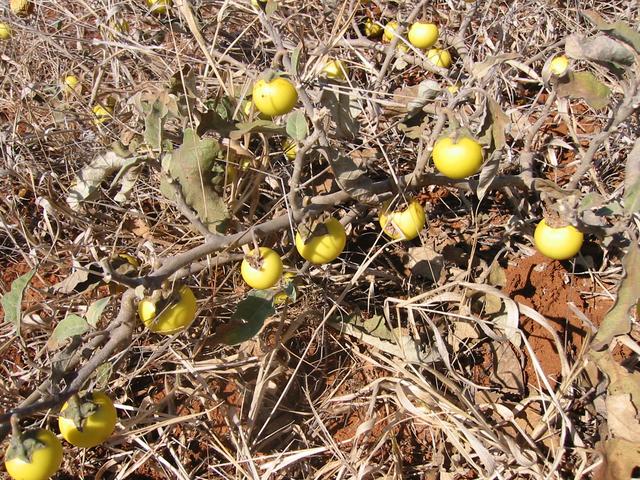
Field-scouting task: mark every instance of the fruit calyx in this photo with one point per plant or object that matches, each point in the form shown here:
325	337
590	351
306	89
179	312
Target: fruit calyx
78	410
22	444
255	259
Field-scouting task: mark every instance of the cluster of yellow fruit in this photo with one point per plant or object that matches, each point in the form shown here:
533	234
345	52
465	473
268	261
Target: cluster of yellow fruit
85	423
421	35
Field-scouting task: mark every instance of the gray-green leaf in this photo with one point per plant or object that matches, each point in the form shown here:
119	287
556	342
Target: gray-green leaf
12	301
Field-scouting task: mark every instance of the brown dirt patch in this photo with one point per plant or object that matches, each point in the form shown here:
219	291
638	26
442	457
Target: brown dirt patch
548	287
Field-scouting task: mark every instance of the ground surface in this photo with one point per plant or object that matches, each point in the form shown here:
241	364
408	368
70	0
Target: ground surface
461	354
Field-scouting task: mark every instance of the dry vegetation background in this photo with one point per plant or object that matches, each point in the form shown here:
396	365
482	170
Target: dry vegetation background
462	354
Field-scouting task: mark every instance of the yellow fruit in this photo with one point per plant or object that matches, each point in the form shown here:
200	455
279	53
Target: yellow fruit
559	243
323	248
559	65
453	89
290	148
390	31
71	84
439	57
264	272
20	7
43	456
372	29
174	317
102	113
457	158
336	70
159	7
276	97
95	427
405	224
423	35
5	31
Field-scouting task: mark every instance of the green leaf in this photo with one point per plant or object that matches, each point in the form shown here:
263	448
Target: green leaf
295	59
339	104
12	301
94	312
590	200
154	123
617	321
102	375
488	173
599	48
297	127
213	121
247	320
632	198
585	85
351	179
191	166
68	327
257	126
632	180
620	30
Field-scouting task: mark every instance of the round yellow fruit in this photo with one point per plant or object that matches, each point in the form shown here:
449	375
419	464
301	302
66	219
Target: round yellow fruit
290	148
390	31
336	70
439	57
276	97
372	29
423	35
405	224
41	462
261	272
559	243
457	158
325	248
95	427
20	7
102	113
71	84
5	31
559	65
174	317
159	7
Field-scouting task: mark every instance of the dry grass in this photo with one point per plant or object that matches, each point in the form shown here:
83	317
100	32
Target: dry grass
303	399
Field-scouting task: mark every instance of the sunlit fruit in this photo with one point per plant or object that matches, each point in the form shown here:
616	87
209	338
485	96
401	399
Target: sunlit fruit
169	317
40	458
453	89
275	97
372	29
335	69
559	65
390	31
457	158
439	57
323	248
71	84
290	148
403	224
159	7
20	7
263	270
423	35
5	31
102	113
97	419
559	243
